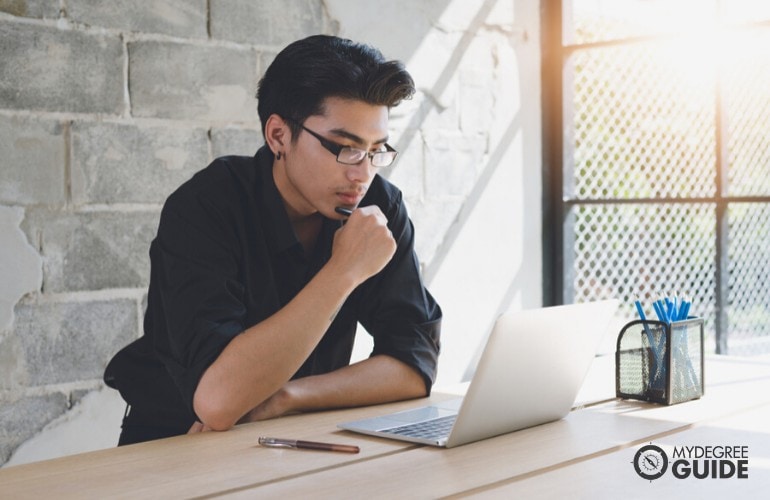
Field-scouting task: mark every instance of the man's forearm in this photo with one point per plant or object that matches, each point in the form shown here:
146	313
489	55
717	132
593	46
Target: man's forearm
256	363
379	379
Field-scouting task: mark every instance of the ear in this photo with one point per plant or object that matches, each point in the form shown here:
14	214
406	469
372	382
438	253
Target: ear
277	134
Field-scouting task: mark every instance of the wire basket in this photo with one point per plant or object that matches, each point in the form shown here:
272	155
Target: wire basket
660	362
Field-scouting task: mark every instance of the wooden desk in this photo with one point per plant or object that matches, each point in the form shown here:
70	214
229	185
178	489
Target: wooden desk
587	454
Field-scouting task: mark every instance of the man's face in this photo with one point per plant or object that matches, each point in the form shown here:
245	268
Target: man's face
312	179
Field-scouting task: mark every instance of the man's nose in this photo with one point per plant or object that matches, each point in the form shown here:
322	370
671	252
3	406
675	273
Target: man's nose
361	172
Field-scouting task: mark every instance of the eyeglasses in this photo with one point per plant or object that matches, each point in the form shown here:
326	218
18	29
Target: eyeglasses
354	156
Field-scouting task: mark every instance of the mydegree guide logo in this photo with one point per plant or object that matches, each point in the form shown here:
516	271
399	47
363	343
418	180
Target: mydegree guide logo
699	462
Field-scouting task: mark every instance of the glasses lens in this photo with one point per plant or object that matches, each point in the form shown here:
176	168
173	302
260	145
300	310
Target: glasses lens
350	156
383	159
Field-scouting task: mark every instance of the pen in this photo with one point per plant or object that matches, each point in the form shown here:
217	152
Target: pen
307	445
343	211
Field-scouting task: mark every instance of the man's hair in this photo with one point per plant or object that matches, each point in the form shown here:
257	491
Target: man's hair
307	72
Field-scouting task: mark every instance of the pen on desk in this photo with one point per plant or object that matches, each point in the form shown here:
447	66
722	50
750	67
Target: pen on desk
307	445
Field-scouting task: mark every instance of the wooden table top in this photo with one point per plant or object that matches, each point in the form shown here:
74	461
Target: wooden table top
586	454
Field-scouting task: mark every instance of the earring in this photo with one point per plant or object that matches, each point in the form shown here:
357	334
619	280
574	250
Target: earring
278	155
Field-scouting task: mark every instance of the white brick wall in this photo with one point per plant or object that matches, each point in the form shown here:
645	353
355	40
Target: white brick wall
107	107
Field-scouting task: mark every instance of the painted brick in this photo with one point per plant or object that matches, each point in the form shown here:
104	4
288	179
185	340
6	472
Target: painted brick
21	267
228	141
172	17
173	80
408	172
93	250
118	163
44	68
72	341
452	163
33	161
424	112
477	103
267	22
31	8
22	418
432	219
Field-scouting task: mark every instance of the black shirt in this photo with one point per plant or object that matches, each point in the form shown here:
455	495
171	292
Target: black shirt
226	257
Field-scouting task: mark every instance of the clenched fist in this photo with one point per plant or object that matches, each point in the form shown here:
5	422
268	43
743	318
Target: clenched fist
364	245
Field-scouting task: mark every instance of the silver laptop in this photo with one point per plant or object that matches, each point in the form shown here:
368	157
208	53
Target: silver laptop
532	367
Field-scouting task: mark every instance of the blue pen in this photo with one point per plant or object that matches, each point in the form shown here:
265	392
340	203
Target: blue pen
643	317
659	311
651	339
669	310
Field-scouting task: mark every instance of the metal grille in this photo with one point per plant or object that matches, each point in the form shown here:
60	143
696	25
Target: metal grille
643	251
747	77
749	255
591	21
640	128
665	182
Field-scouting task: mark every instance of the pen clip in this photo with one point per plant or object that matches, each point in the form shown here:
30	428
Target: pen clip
275	443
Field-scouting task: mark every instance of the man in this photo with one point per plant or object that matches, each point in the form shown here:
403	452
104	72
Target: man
263	266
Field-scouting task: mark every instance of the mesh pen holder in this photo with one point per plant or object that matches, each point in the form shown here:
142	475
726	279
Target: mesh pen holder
660	362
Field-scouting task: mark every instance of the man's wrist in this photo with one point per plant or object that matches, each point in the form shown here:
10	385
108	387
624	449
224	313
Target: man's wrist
341	277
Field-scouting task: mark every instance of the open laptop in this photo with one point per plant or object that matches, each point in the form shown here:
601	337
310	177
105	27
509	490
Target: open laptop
532	367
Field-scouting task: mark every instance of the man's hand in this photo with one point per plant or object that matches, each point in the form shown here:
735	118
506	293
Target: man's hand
198	427
275	406
364	245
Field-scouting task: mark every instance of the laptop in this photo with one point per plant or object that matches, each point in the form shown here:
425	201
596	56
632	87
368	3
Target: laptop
529	373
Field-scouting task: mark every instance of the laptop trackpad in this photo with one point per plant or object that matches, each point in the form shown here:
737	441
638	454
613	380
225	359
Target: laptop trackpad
437	410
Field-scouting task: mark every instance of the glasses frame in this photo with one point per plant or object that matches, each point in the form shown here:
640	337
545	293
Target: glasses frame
336	149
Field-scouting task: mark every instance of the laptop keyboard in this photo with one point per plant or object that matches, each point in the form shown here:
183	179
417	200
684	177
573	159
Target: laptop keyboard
429	429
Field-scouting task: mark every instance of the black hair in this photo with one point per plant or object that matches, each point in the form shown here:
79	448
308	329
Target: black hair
307	72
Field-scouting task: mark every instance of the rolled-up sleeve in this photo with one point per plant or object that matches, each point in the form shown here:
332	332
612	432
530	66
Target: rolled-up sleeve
396	308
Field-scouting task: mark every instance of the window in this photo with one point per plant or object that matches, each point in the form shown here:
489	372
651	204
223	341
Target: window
657	158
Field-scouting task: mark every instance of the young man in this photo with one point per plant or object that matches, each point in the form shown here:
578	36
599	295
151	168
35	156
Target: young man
259	275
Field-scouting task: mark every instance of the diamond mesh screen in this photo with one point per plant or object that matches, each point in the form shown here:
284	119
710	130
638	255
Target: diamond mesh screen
588	21
640	128
749	254
748	108
643	251
647	122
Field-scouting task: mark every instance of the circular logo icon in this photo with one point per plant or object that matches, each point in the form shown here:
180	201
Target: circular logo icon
650	462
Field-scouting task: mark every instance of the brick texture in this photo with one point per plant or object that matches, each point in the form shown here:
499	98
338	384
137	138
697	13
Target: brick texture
20	419
33	155
267	22
118	163
241	142
172	17
43	68
31	8
71	341
173	80
93	250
